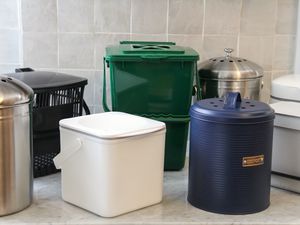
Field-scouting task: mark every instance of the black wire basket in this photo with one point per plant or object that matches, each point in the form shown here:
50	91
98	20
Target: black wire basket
56	96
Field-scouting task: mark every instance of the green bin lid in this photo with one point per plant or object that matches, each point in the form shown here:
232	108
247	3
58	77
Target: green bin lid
141	50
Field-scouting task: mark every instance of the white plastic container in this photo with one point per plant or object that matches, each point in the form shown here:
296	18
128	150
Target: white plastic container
112	163
286	146
285	96
286	88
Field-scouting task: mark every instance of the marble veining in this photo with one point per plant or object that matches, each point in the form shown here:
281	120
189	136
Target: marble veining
49	209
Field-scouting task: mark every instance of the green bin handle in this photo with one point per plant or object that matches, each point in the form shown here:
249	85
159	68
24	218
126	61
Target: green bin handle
104	102
148	42
197	87
154	57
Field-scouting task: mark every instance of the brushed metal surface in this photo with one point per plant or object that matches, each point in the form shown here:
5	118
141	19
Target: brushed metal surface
218	76
249	88
13	92
15	145
15	159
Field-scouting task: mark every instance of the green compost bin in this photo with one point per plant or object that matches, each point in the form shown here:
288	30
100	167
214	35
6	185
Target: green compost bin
176	139
150	77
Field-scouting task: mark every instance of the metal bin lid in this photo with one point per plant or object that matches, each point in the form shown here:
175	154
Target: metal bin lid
232	109
229	68
13	92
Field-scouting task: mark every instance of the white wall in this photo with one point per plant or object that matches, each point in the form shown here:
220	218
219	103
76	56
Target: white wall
70	35
10	35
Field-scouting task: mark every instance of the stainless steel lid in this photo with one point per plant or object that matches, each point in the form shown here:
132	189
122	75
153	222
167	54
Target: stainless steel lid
13	92
229	68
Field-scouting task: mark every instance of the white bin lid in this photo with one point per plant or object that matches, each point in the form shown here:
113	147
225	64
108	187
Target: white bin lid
286	87
287	114
112	125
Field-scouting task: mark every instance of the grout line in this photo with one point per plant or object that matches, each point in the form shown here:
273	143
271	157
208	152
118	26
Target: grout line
10	64
274	39
167	25
20	30
117	33
94	33
63	32
203	22
9	28
131	16
216	35
285	35
239	31
187	35
256	36
95	54
57	33
148	34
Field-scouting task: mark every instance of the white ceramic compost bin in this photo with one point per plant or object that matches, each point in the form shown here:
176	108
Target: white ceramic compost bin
112	163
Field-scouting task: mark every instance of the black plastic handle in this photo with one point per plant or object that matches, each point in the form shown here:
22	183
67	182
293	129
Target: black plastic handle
26	69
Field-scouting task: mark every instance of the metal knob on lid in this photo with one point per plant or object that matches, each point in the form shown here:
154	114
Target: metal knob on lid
228	51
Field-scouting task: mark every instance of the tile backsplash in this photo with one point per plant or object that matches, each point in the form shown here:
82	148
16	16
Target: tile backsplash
70	35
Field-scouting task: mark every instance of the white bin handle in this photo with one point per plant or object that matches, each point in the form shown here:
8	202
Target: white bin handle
67	153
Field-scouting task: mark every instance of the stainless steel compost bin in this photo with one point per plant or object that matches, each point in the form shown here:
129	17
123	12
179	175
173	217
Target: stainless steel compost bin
220	75
15	145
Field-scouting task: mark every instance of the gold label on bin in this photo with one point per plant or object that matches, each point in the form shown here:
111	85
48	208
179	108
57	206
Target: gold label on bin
256	160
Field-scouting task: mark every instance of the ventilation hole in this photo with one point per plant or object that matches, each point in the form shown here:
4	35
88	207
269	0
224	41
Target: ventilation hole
252	105
243	107
221	60
248	102
137	46
212	103
164	46
215	106
245	59
239	60
220	100
150	47
230	61
9	78
3	80
214	60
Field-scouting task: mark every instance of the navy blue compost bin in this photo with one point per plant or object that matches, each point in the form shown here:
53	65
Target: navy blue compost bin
230	155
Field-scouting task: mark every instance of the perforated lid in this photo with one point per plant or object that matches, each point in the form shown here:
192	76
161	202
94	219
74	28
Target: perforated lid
232	109
139	50
229	68
112	125
286	87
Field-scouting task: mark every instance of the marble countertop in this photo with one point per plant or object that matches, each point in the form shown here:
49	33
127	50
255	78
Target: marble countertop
49	209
